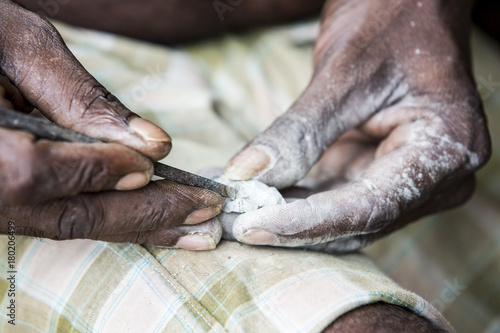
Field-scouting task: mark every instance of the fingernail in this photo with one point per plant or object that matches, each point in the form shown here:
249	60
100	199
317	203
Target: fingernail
148	130
202	215
258	237
132	181
196	242
247	164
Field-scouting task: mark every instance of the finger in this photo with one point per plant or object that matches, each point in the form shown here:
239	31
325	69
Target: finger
330	106
203	236
320	218
159	206
35	171
349	227
452	196
38	63
284	152
394	184
344	161
227	219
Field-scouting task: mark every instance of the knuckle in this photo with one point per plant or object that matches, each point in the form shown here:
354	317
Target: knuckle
80	170
94	97
483	146
151	214
474	124
93	103
39	30
478	143
471	125
77	217
464	139
93	176
154	218
90	94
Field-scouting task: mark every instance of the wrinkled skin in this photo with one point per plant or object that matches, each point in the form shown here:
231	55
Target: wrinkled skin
392	112
400	133
71	190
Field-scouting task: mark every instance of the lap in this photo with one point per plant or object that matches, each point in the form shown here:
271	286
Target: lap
98	286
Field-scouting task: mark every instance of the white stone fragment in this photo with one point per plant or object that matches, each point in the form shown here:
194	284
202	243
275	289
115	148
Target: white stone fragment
250	195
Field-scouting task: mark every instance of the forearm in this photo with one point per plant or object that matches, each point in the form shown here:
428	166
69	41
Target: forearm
174	20
362	23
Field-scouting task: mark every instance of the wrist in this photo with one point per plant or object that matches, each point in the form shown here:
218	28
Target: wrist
369	23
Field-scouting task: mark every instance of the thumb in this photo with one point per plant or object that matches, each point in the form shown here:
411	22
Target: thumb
283	153
332	104
36	60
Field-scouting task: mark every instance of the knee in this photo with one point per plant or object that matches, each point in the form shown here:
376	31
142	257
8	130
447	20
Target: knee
381	318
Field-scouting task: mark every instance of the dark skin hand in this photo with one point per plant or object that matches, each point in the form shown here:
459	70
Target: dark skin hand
392	116
64	190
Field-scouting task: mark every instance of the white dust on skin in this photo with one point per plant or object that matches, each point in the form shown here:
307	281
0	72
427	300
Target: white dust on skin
394	184
408	176
250	195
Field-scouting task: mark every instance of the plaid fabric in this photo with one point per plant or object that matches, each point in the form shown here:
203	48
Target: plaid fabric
212	97
87	286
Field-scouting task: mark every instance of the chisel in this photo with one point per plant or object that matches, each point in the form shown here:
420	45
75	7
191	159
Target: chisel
45	129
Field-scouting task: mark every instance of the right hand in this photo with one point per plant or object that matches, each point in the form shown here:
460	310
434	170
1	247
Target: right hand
64	190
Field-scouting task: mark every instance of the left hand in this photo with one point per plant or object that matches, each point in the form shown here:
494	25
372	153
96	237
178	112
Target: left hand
393	109
68	190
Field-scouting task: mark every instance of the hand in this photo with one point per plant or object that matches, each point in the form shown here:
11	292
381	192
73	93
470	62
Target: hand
393	109
66	190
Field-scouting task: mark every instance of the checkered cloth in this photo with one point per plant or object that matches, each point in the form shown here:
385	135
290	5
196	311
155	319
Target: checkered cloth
212	98
88	286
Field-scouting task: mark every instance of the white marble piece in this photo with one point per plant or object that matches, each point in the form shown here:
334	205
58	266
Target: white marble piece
250	195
